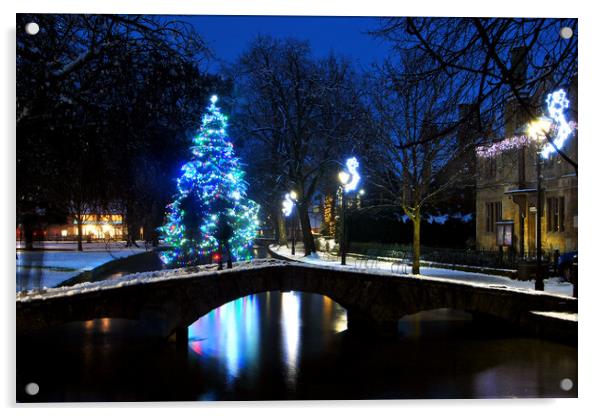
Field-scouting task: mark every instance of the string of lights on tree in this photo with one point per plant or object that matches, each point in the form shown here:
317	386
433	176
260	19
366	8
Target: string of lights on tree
509	143
554	124
329	214
211	190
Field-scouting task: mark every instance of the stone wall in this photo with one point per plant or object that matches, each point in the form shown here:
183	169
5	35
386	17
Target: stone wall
378	300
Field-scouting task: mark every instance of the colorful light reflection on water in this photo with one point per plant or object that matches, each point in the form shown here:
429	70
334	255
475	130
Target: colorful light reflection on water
219	334
232	333
290	322
277	346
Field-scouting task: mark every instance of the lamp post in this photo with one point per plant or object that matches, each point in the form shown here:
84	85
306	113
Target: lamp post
287	208
344	179
349	179
359	197
538	275
537	131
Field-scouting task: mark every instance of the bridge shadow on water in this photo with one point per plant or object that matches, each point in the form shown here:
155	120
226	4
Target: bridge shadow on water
292	345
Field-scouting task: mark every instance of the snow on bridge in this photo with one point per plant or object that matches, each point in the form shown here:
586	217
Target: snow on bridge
170	300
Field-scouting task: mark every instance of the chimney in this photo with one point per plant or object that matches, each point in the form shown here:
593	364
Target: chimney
518	65
468	129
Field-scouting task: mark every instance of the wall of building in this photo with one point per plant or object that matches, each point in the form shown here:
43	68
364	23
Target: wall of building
514	170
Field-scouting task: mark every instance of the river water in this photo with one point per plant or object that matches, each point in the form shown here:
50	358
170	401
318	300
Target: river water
293	345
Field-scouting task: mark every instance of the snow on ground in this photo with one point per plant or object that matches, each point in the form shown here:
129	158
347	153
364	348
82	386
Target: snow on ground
551	285
565	316
53	263
141	278
72	245
61	265
384	269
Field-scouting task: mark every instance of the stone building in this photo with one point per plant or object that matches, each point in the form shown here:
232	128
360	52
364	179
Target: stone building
506	191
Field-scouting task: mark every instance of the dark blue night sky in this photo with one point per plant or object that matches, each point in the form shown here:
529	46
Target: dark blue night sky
228	36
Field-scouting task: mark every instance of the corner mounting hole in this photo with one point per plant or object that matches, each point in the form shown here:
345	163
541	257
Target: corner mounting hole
566	384
32	389
32	28
566	32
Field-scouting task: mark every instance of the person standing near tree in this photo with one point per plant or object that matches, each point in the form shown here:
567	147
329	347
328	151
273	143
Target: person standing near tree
223	235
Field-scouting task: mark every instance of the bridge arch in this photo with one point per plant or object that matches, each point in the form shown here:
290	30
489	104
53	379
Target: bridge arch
373	301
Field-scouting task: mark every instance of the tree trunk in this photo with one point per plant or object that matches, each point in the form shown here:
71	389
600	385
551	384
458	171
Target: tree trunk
78	218
155	222
146	232
220	258
133	227
133	234
281	231
28	234
416	243
308	238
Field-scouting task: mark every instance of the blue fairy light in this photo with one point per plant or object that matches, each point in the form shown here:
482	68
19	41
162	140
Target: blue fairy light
214	173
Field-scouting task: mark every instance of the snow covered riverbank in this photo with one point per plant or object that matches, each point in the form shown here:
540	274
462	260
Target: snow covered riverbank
552	285
144	278
53	263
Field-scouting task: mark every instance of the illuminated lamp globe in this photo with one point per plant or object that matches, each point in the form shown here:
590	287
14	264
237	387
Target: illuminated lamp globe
344	177
537	129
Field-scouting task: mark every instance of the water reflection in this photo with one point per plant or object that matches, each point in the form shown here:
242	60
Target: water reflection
291	323
275	346
330	318
31	270
230	332
265	331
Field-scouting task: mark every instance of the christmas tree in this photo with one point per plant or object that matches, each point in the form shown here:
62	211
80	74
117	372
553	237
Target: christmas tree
211	197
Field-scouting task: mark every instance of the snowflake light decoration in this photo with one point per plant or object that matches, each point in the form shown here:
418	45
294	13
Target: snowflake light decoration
557	103
352	165
554	124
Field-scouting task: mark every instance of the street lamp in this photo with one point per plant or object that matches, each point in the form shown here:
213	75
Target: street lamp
349	179
360	193
537	131
287	208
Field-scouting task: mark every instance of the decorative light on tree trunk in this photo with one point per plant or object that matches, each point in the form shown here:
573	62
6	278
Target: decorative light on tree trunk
210	191
329	214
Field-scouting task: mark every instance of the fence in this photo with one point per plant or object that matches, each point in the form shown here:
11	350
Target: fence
456	256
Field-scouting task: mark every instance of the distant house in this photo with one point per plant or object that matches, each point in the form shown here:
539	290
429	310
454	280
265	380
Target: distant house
506	197
95	226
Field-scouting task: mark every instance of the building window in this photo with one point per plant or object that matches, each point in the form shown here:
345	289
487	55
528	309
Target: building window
555	214
493	215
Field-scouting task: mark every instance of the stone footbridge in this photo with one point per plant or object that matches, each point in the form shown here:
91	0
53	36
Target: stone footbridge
171	301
